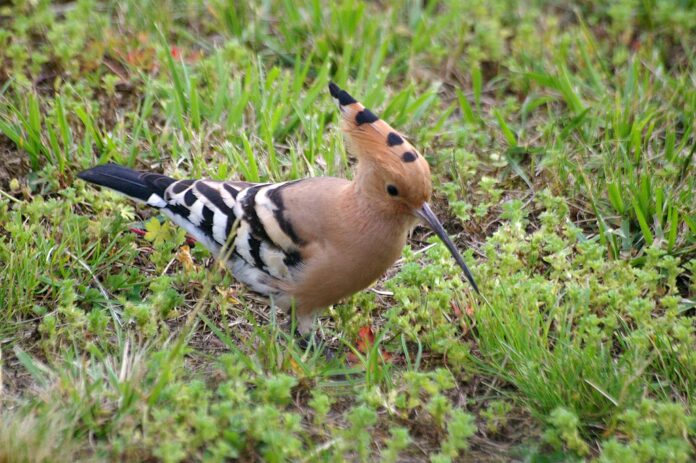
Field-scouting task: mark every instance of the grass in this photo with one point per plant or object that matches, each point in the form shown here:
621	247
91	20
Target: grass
561	138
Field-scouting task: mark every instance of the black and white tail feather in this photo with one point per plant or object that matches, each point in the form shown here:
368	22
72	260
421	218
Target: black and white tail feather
239	220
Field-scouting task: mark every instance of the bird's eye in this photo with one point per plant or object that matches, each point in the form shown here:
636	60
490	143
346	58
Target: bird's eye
392	190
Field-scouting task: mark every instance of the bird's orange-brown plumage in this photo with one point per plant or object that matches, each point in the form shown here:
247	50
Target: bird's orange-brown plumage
350	242
356	230
384	155
309	242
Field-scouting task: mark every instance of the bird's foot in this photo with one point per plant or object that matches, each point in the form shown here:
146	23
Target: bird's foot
314	342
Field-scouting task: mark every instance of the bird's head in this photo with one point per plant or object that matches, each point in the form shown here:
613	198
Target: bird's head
391	172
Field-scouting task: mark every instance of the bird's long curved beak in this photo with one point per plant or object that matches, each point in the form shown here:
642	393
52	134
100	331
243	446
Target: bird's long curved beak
425	213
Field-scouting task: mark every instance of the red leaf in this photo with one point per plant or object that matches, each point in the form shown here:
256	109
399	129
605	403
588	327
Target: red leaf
365	339
470	310
456	309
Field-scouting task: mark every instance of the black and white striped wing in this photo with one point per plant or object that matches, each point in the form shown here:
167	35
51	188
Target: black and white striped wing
248	219
265	239
205	209
244	222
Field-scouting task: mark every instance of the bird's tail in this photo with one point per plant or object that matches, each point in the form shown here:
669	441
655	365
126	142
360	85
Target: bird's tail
145	187
204	208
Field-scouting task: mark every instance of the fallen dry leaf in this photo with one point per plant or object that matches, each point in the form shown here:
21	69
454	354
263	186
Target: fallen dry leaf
183	255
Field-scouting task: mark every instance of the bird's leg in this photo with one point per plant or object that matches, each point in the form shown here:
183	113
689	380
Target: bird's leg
305	322
304	333
307	337
304	341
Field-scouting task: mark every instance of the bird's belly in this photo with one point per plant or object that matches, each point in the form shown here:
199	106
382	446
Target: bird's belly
259	281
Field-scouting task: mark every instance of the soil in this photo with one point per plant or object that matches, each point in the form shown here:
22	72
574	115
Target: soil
13	163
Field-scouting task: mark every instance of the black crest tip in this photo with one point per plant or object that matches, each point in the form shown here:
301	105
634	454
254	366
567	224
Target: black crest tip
334	89
344	98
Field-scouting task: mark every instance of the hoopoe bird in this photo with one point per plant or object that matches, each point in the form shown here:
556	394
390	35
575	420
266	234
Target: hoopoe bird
308	242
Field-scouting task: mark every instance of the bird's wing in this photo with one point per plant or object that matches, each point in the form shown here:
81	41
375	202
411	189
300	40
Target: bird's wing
233	219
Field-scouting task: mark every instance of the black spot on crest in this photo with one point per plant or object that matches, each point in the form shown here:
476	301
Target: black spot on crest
394	139
365	116
409	156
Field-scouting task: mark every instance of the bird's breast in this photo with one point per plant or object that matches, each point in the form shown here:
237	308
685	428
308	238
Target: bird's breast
346	263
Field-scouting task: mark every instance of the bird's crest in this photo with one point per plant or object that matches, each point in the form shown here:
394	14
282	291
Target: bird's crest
366	134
